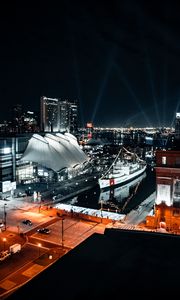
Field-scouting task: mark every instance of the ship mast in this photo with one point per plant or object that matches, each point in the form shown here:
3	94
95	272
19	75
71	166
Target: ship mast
117	156
135	155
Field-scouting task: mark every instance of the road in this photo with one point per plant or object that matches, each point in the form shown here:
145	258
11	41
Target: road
39	250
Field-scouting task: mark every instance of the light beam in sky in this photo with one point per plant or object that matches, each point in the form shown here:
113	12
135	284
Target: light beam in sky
103	86
126	83
152	89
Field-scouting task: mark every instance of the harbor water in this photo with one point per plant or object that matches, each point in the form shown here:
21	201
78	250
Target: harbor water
121	199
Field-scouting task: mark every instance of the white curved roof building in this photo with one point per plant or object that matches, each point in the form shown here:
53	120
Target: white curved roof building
55	151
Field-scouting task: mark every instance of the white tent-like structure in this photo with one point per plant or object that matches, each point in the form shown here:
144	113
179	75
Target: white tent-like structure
55	152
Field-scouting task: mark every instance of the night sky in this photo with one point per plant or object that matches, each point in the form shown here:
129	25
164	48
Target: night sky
120	59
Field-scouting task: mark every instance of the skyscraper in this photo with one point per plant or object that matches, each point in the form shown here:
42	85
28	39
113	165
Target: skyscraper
68	116
59	115
177	126
17	118
49	114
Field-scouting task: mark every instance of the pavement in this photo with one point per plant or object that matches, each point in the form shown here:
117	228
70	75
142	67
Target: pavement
25	273
14	273
66	235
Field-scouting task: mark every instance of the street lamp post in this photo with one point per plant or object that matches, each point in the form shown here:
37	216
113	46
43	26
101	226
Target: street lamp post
62	232
5	215
39	200
101	208
18	228
4	241
39	246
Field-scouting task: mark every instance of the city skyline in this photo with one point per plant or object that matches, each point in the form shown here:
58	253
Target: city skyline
119	60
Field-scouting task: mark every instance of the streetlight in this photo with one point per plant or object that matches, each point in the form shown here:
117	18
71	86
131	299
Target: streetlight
39	200
101	207
5	214
39	246
4	240
62	232
18	228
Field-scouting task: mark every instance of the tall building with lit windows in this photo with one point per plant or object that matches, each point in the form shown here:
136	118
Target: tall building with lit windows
73	117
177	126
58	115
68	115
49	114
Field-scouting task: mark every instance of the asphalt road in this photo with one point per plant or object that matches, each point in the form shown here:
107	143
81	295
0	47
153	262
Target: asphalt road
38	250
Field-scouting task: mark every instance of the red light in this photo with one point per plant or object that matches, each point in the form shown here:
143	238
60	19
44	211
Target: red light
89	125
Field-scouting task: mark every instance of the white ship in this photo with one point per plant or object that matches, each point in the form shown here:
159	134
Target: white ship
120	192
126	167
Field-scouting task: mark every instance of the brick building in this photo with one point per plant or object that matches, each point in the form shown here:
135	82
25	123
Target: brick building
167	202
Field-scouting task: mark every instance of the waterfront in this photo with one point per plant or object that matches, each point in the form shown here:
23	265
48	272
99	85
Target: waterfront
121	199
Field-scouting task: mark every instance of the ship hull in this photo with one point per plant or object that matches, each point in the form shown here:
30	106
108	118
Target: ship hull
106	183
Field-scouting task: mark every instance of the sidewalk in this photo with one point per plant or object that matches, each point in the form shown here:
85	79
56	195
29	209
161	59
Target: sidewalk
75	232
27	272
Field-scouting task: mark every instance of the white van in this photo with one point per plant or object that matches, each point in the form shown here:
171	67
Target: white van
15	248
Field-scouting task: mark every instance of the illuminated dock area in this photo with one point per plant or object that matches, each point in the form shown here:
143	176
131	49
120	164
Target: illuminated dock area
90	212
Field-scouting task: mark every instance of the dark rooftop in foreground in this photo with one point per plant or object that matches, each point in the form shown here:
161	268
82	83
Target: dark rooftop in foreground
116	265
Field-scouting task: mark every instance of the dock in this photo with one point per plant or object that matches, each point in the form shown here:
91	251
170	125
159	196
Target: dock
95	213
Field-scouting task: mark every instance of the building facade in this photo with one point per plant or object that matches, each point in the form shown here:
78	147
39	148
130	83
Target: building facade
177	126
167	202
49	113
12	170
46	157
58	115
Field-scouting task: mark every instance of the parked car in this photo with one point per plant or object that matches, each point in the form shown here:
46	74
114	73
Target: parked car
44	230
15	248
27	222
21	194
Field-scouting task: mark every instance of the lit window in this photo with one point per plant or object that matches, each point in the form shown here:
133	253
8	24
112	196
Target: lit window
164	160
7	150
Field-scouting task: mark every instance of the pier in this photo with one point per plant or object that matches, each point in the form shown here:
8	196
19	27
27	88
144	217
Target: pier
97	215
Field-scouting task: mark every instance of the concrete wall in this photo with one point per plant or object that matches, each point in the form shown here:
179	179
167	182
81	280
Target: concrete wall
95	219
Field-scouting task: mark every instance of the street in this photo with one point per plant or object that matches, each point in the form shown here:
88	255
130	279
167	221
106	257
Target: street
41	250
38	250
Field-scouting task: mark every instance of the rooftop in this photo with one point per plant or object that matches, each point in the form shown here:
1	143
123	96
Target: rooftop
120	262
